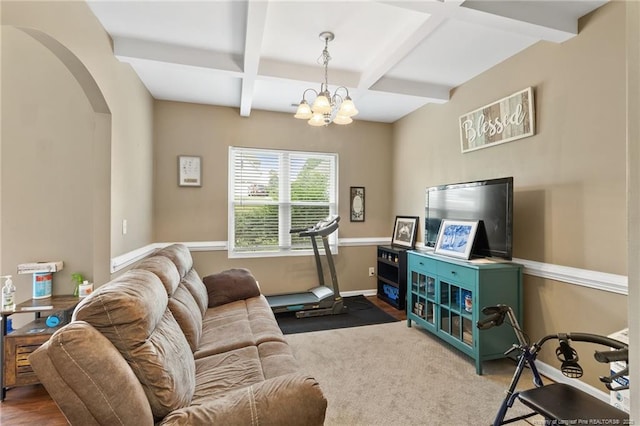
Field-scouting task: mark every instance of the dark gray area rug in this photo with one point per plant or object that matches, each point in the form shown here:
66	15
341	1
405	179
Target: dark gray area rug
360	311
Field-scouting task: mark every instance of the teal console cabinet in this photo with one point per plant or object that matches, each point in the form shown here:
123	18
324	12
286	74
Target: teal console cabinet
446	296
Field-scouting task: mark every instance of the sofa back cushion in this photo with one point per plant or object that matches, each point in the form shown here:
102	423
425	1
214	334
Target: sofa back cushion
165	269
194	284
179	255
187	313
89	379
132	312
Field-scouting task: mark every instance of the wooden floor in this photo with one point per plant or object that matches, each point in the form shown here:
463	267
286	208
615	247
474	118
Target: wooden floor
29	405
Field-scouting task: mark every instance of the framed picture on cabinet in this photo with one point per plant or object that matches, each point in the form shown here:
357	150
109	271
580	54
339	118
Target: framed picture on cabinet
405	231
189	170
456	237
357	204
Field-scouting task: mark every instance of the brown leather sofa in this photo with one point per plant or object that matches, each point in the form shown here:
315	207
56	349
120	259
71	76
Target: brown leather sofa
159	345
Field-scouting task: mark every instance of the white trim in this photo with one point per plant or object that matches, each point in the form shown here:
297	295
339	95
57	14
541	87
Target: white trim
557	376
370	241
206	245
582	277
127	259
370	292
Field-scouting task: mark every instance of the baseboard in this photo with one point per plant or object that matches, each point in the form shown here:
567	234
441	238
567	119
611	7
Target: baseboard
372	292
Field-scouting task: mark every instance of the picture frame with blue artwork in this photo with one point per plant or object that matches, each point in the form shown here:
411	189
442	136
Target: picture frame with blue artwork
456	237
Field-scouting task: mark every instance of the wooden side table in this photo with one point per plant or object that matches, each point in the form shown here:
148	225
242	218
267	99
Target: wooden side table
16	346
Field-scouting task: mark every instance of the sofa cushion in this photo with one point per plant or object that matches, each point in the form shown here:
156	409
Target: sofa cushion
230	285
165	269
179	255
194	284
131	311
90	378
289	400
187	313
235	325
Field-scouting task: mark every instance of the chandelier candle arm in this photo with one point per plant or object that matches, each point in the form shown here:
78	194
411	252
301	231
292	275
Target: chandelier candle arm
326	108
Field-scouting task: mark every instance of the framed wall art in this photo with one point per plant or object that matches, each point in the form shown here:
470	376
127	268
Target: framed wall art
405	231
189	170
508	119
456	237
357	204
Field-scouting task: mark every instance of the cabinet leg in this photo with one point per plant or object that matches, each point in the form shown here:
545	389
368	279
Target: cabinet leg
408	322
478	367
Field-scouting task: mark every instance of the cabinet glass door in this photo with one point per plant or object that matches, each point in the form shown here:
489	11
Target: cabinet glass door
456	312
423	289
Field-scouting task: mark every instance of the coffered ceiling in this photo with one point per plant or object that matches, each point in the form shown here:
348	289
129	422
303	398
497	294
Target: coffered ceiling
394	56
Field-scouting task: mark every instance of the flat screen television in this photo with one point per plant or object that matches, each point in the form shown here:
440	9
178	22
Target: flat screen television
488	201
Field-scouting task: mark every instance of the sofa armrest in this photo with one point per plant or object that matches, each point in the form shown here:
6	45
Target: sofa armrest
230	285
292	399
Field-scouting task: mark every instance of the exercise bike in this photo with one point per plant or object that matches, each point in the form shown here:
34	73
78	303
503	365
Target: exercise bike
320	300
559	403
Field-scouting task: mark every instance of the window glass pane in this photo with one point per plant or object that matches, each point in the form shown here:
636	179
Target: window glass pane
256	228
309	179
256	176
304	217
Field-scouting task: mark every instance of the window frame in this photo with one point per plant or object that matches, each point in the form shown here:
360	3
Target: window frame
284	202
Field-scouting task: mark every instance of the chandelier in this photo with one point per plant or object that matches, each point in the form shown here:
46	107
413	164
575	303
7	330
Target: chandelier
327	108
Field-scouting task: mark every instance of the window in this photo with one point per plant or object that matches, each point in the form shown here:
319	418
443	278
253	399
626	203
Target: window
273	191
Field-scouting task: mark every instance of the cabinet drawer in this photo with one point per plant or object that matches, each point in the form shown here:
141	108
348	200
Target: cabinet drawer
17	369
461	274
422	264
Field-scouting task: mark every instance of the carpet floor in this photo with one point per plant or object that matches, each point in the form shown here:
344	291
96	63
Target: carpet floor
391	374
360	311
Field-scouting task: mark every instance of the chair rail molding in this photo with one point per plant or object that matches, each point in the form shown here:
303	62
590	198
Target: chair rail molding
583	277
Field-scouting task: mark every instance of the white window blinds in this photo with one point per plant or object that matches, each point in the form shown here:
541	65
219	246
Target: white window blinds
273	191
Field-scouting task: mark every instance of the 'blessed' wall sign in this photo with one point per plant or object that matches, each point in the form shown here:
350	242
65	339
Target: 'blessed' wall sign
502	121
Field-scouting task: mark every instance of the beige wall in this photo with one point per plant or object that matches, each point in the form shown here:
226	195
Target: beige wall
570	188
200	214
76	144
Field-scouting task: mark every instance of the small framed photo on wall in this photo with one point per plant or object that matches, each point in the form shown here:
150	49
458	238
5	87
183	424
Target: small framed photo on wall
189	170
357	204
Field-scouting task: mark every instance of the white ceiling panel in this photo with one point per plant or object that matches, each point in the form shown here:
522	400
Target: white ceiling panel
395	56
200	24
458	51
188	84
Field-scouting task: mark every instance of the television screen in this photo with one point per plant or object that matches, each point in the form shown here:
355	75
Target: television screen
487	201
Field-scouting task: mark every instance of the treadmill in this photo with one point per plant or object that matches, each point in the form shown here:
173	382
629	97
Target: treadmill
320	300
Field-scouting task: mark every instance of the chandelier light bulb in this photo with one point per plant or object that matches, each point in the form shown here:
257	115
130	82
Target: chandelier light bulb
304	111
342	119
347	108
317	120
321	105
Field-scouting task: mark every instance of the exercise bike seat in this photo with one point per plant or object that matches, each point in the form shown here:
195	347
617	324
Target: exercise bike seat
559	401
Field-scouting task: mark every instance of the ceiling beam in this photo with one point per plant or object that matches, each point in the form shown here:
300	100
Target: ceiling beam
256	20
434	92
127	49
397	50
313	75
501	16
